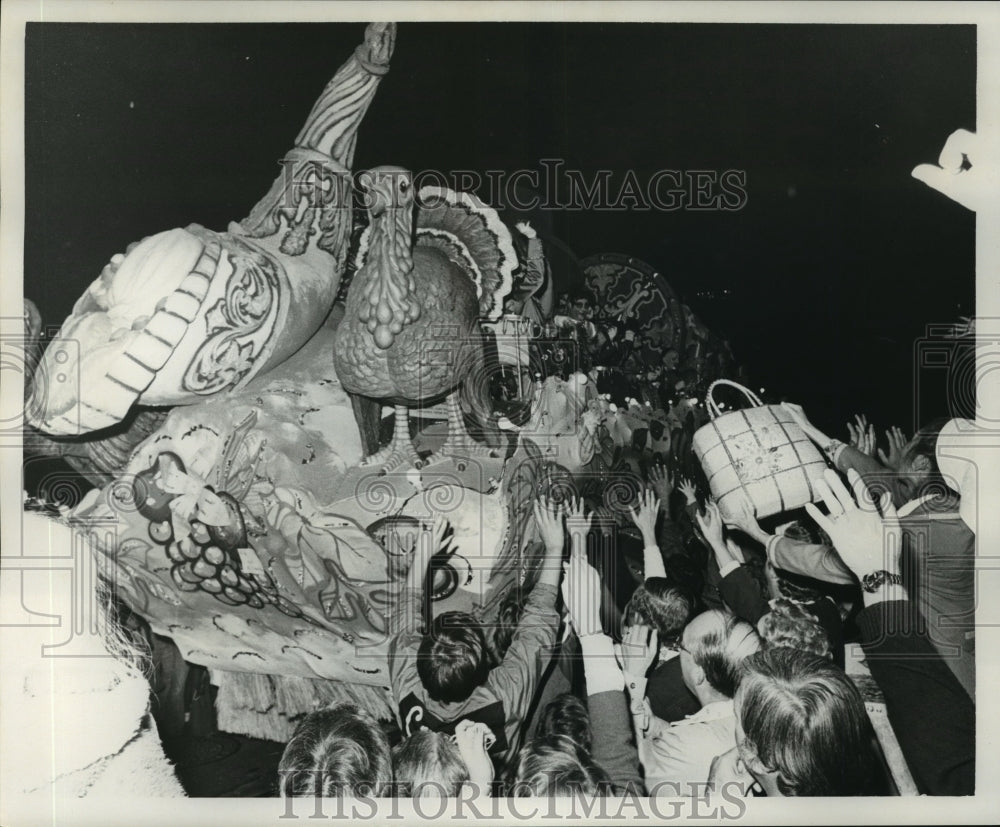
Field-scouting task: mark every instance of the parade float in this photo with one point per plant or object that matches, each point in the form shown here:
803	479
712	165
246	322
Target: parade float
267	414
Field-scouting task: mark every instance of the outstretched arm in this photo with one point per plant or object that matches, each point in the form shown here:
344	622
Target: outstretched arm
406	622
645	519
515	679
614	747
843	456
933	717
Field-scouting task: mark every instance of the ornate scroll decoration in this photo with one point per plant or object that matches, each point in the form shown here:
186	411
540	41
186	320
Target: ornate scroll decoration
239	325
312	195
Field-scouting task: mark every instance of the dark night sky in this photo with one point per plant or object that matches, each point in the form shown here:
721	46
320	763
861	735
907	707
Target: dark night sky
836	264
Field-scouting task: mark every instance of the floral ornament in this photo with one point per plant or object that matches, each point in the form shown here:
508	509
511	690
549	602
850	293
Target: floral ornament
193	500
323	562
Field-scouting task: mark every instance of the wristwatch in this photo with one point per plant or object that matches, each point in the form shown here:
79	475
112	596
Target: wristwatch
873	582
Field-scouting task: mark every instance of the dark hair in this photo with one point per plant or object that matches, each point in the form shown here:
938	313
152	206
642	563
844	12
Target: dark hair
912	483
720	651
567	715
925	442
336	751
556	766
662	605
428	757
788	624
806	720
453	659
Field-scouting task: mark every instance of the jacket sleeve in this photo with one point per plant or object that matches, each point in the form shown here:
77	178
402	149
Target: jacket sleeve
515	679
614	744
808	559
405	626
933	717
743	596
847	456
614	748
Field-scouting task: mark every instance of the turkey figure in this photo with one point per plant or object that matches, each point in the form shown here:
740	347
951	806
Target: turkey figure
410	334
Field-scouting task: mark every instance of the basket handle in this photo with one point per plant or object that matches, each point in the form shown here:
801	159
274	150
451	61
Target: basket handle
713	406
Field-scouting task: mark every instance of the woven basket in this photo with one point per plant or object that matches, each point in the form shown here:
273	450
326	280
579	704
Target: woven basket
759	450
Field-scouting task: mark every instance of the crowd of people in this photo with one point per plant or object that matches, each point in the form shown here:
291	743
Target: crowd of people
722	664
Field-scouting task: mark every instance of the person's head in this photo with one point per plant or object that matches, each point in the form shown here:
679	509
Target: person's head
661	606
336	751
428	764
918	470
453	660
556	766
801	726
567	715
713	646
788	624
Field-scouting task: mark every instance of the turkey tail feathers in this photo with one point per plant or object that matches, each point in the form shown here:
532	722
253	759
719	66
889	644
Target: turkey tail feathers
473	236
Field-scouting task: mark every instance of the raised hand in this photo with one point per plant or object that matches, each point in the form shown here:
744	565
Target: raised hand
525	229
473	739
710	524
581	591
604	519
687	488
971	184
549	519
577	523
862	435
645	516
897	442
429	543
638	650
439	528
865	541
797	414
810	430
660	480
741	514
735	550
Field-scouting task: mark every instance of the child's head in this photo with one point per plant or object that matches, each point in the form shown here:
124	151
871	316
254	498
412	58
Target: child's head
428	764
557	766
567	715
336	751
453	659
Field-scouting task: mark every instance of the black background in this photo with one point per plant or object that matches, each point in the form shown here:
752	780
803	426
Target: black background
836	265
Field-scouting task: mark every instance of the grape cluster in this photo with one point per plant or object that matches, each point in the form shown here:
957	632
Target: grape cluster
200	562
208	558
